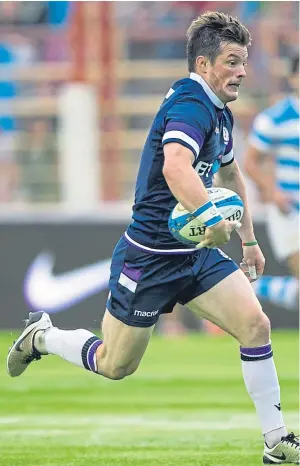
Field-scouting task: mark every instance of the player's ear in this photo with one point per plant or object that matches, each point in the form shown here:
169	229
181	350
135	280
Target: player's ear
202	63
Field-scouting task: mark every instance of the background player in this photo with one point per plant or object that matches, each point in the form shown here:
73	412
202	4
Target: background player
275	134
190	140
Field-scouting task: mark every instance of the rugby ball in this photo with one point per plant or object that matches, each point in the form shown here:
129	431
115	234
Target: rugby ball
186	229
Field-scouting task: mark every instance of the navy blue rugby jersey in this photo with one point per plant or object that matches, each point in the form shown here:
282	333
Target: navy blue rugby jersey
191	115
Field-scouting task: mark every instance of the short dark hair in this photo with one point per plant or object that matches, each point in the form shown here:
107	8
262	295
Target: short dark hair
294	64
208	31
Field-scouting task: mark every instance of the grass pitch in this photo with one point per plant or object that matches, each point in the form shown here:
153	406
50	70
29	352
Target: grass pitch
186	405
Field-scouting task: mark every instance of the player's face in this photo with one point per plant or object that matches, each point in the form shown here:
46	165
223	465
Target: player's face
227	73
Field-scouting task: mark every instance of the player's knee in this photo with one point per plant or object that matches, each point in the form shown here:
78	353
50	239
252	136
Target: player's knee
111	366
111	372
257	331
117	372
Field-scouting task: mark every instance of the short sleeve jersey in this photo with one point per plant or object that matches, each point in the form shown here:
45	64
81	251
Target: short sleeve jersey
275	132
193	116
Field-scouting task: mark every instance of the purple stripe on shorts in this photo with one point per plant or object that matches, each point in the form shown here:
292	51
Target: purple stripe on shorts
134	274
260	351
91	353
187	129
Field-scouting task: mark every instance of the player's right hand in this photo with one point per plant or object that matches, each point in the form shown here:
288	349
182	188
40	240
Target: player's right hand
219	234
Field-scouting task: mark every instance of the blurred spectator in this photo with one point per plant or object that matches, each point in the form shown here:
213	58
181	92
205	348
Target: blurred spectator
23	13
55	49
22	48
37	157
7	126
8	167
27	13
248	11
17	50
169	18
58	12
7	88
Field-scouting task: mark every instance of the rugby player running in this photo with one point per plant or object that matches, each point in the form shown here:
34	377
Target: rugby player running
189	142
275	136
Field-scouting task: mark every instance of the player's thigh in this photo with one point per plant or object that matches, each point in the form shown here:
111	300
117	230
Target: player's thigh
293	264
124	345
233	306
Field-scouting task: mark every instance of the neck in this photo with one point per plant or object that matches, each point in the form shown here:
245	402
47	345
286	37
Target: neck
208	90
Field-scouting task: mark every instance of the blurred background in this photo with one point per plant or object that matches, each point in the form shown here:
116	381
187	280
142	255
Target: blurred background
80	83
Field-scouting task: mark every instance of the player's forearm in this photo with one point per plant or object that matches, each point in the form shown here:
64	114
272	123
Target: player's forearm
236	183
186	187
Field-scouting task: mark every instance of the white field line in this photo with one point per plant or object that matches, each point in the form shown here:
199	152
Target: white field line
53	424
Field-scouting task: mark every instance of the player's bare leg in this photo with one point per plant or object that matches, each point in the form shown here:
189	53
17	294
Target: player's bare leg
123	349
233	306
117	356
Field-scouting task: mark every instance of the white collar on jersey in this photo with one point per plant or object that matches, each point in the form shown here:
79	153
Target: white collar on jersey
213	97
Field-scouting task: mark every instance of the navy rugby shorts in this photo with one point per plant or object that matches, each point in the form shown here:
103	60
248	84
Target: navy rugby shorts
144	285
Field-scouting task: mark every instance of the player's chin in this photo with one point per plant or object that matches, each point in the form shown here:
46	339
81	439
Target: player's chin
231	94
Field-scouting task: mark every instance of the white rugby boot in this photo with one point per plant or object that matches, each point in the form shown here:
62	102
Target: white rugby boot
23	352
287	451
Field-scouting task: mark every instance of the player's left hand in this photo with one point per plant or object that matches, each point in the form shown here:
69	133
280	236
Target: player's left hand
253	263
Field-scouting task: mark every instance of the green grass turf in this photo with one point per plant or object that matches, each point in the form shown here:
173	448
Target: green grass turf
186	405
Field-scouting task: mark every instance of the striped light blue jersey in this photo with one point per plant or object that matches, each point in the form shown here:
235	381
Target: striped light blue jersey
275	131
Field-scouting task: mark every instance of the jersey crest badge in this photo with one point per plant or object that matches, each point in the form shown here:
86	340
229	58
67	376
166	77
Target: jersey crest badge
225	135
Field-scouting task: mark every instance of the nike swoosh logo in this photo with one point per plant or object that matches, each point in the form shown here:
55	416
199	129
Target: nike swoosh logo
278	407
53	293
18	344
282	457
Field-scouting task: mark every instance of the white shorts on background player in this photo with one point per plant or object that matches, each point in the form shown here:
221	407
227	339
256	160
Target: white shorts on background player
283	232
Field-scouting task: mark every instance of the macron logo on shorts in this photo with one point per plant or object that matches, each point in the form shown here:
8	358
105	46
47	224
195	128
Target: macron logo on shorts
145	313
